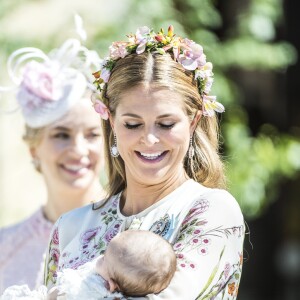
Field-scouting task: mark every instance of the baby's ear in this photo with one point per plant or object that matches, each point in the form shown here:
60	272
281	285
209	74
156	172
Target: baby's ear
112	285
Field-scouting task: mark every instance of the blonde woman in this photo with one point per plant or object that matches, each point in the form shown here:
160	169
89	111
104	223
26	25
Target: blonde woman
165	173
64	137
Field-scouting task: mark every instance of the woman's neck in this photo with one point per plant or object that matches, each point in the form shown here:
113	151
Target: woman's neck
60	202
137	197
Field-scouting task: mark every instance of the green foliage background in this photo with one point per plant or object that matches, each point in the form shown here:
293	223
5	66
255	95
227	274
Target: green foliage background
256	164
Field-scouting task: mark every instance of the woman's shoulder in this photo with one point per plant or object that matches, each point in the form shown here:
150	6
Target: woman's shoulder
220	203
212	194
35	222
32	230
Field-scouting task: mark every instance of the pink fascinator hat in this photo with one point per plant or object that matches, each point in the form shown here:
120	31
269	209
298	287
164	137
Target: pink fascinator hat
47	85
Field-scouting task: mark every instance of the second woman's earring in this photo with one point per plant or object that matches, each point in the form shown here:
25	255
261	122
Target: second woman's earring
191	149
36	163
114	148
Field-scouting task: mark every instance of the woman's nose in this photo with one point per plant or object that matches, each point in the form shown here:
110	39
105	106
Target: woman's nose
80	146
150	138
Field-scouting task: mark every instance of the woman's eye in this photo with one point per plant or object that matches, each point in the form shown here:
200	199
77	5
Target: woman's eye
166	126
62	135
93	135
132	126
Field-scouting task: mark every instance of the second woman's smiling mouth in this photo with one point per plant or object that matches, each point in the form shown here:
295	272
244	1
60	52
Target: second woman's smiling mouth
76	169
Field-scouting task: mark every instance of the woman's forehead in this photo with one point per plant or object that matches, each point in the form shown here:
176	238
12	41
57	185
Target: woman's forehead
150	100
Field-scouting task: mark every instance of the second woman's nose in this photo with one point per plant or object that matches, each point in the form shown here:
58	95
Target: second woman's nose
79	146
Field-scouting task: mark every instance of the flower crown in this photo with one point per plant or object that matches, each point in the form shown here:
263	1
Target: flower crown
186	52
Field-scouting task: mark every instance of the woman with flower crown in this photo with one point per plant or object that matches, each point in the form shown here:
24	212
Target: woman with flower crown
64	137
165	173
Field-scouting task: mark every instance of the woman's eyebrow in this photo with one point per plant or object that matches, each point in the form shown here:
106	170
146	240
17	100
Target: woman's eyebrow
131	115
62	128
137	116
164	116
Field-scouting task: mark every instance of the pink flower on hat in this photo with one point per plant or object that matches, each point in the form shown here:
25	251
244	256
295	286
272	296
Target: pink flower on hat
41	80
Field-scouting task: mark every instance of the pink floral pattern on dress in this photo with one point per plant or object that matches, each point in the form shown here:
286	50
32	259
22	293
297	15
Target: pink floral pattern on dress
194	235
93	242
55	239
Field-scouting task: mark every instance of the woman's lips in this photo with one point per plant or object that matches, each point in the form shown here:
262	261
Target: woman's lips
151	157
77	170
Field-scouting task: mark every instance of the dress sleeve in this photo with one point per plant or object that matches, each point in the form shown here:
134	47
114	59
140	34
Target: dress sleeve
209	250
52	257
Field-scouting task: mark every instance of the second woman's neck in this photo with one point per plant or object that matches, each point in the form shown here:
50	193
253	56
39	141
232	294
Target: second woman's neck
60	202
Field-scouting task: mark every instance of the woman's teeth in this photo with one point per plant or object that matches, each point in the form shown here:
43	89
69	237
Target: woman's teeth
151	156
75	168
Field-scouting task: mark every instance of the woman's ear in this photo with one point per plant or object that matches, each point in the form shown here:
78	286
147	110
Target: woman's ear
195	121
33	153
113	286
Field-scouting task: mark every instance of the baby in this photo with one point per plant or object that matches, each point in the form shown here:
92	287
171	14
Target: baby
135	263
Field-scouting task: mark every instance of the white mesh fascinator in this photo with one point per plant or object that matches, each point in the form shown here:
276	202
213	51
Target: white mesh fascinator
48	85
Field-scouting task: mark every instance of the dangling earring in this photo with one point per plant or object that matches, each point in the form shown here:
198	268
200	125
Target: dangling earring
36	163
191	149
114	148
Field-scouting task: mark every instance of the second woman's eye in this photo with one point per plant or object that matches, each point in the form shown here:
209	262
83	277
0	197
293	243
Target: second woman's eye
132	126
93	135
61	135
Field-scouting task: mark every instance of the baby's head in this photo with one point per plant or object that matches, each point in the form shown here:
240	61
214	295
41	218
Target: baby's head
137	263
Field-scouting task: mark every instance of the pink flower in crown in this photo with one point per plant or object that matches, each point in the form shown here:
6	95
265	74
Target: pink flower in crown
118	50
41	80
142	36
101	109
211	105
192	56
104	72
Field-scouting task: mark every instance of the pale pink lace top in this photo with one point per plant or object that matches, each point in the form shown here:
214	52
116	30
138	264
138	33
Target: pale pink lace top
22	248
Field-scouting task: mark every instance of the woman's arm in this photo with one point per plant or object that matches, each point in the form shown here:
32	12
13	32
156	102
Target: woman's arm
209	249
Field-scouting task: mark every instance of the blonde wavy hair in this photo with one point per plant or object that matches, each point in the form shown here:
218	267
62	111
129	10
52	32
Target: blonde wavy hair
161	71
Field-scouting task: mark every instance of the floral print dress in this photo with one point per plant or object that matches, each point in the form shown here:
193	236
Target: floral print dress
205	227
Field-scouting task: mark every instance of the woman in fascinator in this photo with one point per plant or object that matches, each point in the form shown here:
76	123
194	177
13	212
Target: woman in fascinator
65	141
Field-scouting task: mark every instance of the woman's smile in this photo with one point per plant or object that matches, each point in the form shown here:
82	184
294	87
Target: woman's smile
151	157
76	170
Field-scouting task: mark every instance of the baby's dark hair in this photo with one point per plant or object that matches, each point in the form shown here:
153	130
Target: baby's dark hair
144	262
